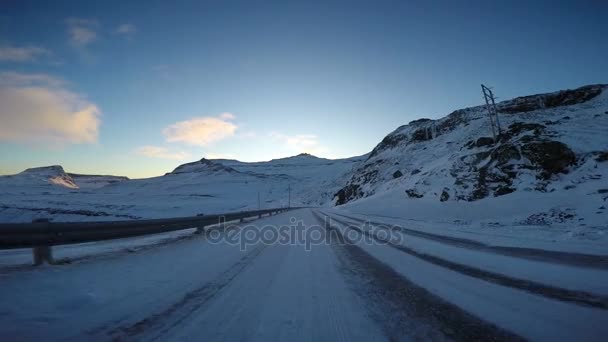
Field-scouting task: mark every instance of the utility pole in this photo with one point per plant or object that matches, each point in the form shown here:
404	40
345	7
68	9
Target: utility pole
492	111
289	196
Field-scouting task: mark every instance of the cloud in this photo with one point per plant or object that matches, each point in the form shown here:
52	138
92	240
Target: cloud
21	54
81	32
201	131
227	116
10	78
162	153
125	29
299	143
37	108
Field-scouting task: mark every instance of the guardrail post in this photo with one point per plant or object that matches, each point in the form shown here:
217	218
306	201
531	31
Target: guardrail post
42	253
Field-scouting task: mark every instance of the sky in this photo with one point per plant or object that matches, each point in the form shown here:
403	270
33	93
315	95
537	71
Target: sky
137	88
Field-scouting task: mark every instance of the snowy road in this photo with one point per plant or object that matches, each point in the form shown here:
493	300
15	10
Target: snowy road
344	288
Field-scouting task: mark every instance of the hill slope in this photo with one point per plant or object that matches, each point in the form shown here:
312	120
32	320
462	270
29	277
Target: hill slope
553	149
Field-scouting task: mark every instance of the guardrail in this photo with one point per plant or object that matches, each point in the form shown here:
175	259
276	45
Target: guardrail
40	236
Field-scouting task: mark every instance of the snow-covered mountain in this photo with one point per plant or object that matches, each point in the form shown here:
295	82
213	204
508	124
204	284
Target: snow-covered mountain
550	163
54	178
46	177
204	186
551	160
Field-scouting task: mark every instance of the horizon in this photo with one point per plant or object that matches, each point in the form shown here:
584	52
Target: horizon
140	91
257	161
178	165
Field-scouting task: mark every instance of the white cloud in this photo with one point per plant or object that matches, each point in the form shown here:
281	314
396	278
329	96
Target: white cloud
21	54
162	153
300	143
227	116
125	29
201	131
82	31
36	108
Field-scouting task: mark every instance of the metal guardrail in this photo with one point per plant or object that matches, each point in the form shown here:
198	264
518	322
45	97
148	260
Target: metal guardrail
42	235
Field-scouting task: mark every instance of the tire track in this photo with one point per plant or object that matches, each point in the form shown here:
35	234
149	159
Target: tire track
163	321
398	301
552	292
565	258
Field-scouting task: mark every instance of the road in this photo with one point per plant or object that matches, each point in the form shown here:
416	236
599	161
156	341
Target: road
350	286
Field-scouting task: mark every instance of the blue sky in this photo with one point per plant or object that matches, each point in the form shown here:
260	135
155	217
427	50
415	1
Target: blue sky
137	89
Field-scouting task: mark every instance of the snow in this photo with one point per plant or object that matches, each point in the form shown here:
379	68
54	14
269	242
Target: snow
533	317
192	288
591	280
501	220
204	187
218	291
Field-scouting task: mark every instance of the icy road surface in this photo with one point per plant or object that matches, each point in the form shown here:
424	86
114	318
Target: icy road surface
345	288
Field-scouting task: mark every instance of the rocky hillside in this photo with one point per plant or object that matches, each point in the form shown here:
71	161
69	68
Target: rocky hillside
549	142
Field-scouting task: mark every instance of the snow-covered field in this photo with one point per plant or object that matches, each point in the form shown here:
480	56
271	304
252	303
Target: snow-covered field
194	287
205	187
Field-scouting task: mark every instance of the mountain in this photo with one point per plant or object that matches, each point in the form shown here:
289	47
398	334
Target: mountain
549	164
54	178
553	149
204	186
40	177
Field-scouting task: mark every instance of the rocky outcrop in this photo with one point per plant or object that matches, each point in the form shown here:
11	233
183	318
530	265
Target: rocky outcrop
459	161
551	100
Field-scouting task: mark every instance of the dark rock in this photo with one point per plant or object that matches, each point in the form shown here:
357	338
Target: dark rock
484	141
452	121
552	156
389	141
348	193
481	188
602	191
422	134
415	172
503	190
517	128
504	153
419	121
369	176
541	101
413	193
397	174
602	156
444	196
